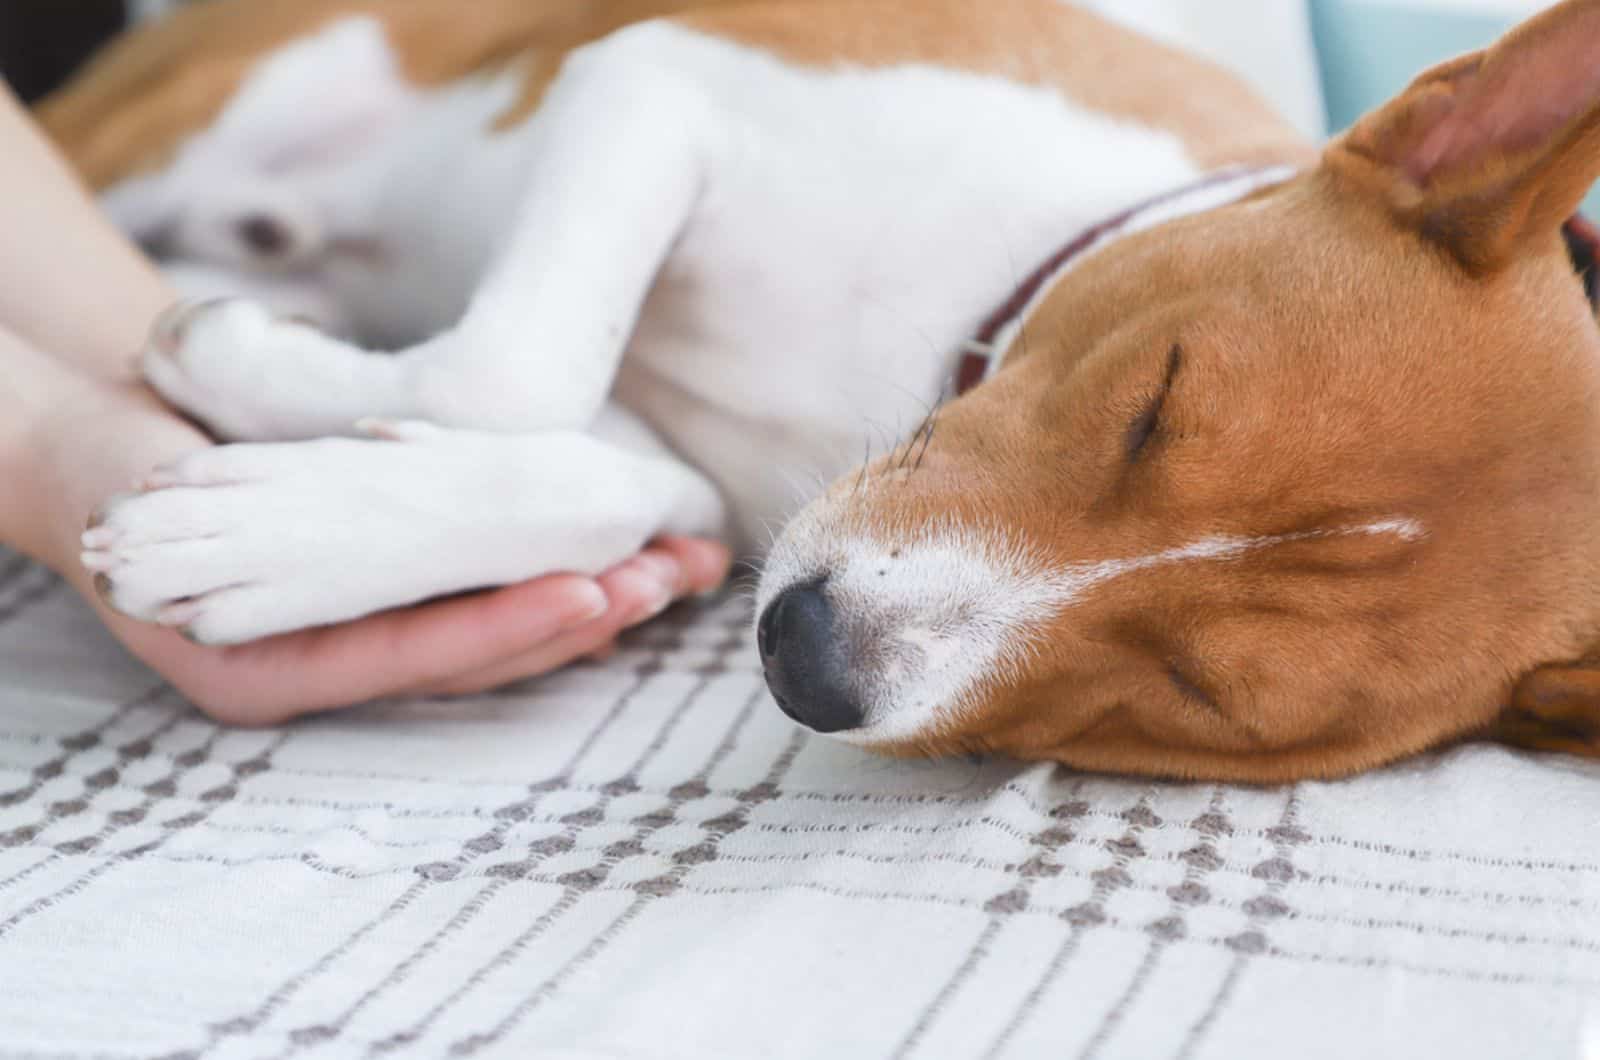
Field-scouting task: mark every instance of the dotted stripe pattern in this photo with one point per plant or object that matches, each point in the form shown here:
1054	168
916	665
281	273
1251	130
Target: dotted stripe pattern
497	904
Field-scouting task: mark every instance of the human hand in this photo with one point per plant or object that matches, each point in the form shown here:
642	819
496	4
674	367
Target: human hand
450	647
92	439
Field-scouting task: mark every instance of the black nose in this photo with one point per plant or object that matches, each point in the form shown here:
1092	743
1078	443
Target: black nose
806	665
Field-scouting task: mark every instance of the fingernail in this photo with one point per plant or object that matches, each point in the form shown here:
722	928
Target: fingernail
650	596
96	561
179	614
99	538
659	602
665	572
589	602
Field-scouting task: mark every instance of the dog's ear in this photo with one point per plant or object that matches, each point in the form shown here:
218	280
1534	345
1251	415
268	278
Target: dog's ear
1494	150
1555	708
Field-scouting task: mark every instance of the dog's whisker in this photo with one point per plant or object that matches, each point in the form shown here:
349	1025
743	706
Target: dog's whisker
885	436
866	461
927	440
923	433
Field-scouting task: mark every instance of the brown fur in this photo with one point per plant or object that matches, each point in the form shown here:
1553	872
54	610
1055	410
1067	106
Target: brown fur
1347	356
133	105
131	108
1086	58
1395	333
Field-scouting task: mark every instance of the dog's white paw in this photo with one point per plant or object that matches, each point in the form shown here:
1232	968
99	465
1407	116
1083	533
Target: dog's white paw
241	542
249	375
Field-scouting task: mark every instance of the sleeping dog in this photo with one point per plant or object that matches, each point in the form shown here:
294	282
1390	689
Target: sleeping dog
1206	453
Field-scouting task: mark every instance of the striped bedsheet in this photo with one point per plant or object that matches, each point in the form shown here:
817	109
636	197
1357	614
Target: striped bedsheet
645	859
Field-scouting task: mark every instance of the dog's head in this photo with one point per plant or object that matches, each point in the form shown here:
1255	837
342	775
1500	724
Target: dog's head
1293	487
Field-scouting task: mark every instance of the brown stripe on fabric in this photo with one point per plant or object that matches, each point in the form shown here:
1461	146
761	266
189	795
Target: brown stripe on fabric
73	745
1085	916
1053	833
1036	910
474	1043
404	969
507	872
408	1037
650	891
316	1034
1275	872
578	883
65	809
211	801
1168	929
1477	974
22	874
1313	839
506	817
976	954
1460	895
290	988
1575	943
281	996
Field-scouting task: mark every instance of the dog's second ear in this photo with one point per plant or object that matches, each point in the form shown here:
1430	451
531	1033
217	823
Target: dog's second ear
1555	708
1496	149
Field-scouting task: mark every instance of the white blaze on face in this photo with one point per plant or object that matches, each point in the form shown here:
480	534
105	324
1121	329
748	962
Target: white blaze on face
928	616
924	616
1072	582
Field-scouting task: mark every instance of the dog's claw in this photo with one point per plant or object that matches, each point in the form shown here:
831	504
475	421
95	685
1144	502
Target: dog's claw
179	614
166	334
99	562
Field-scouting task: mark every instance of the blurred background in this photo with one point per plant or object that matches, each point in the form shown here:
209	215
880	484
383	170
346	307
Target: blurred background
1322	62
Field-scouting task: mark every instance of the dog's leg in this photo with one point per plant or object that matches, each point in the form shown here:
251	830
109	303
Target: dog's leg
240	542
619	149
252	190
290	294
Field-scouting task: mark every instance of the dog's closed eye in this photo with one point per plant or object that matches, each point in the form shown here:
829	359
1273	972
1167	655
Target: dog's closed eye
1148	422
1182	680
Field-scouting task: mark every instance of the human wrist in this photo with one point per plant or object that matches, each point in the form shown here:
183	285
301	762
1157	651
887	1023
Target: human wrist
37	389
93	443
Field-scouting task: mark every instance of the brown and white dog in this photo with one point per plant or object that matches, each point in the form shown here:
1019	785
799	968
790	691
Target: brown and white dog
1290	466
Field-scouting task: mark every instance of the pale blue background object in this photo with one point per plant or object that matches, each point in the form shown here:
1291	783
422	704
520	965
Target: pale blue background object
1371	49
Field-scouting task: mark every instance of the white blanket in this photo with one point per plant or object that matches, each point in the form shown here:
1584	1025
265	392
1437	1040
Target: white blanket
645	859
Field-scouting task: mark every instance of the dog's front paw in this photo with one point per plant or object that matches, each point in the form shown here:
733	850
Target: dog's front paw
229	545
244	373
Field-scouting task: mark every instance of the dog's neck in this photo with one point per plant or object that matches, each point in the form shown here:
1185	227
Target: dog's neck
981	356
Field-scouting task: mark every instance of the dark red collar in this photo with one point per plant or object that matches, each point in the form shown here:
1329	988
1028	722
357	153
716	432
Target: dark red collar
1583	247
981	355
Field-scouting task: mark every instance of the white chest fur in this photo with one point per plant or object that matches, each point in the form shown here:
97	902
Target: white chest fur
857	227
